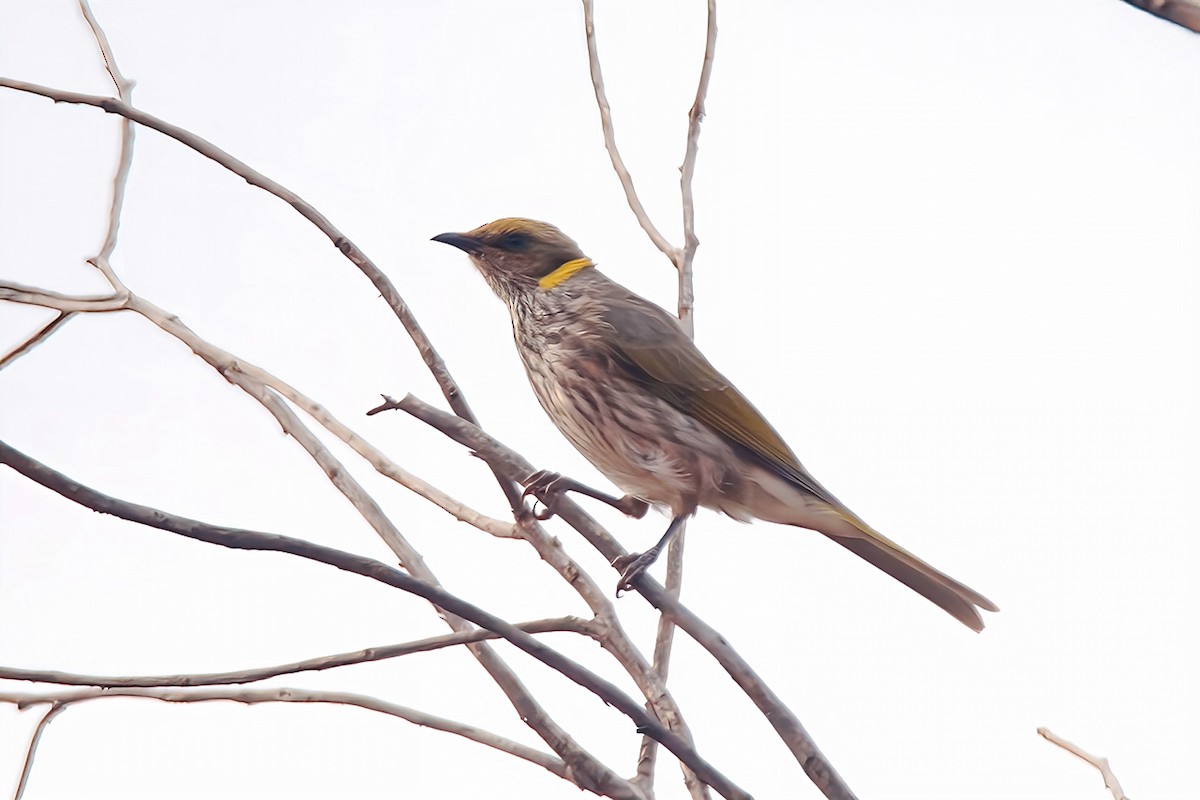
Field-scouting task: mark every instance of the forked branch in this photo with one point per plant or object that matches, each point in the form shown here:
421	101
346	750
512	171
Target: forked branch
786	725
242	539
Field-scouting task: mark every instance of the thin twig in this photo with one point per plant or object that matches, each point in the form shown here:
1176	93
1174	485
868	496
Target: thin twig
687	172
610	139
125	160
559	624
33	341
664	640
56	708
242	539
789	729
33	296
123	86
225	362
373	455
1099	762
665	637
286	695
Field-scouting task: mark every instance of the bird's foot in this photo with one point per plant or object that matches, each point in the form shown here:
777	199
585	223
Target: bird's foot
545	485
542	485
633	565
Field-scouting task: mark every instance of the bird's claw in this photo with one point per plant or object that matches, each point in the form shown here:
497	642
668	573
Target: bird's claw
632	565
541	486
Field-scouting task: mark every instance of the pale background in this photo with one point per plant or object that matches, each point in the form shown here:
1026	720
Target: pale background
949	249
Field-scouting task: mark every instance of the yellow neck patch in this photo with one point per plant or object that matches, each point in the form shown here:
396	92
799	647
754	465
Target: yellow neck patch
548	282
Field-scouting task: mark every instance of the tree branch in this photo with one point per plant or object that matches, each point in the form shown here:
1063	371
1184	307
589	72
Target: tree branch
450	389
786	725
241	539
257	382
221	360
664	640
610	139
285	695
42	334
33	296
560	624
614	639
125	160
687	172
1099	762
1184	13
665	637
590	772
56	708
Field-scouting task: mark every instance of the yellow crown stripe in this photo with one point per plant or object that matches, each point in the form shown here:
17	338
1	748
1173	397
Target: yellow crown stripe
547	282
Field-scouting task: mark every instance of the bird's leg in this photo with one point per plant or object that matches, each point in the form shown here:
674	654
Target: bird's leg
634	564
545	485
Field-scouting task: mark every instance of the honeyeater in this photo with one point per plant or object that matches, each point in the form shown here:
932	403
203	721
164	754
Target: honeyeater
631	391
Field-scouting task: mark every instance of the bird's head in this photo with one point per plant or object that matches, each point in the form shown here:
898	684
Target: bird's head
516	254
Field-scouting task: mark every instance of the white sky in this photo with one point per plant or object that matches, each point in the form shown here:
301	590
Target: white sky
949	249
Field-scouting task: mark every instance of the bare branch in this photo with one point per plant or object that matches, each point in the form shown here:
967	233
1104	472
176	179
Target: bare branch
123	86
786	725
1184	13
241	539
436	365
560	624
254	380
665	637
375	457
610	139
284	695
222	360
682	258
591	773
43	333
56	708
1100	763
664	640
614	640
125	160
351	251
33	296
687	172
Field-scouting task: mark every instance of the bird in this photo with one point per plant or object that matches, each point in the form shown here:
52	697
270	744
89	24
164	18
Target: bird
630	390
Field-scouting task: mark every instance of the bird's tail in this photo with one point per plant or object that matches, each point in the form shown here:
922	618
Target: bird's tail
797	499
959	600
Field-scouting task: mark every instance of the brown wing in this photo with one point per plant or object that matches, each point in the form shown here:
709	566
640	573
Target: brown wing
652	347
655	351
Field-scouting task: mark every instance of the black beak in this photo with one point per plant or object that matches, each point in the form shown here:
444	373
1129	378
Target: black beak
462	241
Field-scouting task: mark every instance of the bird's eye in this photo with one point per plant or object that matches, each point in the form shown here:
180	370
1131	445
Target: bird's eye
514	241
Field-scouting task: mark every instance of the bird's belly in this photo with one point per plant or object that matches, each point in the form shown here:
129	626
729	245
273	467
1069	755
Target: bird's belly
641	443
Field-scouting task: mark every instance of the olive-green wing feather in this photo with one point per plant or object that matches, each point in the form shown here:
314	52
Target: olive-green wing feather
654	350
